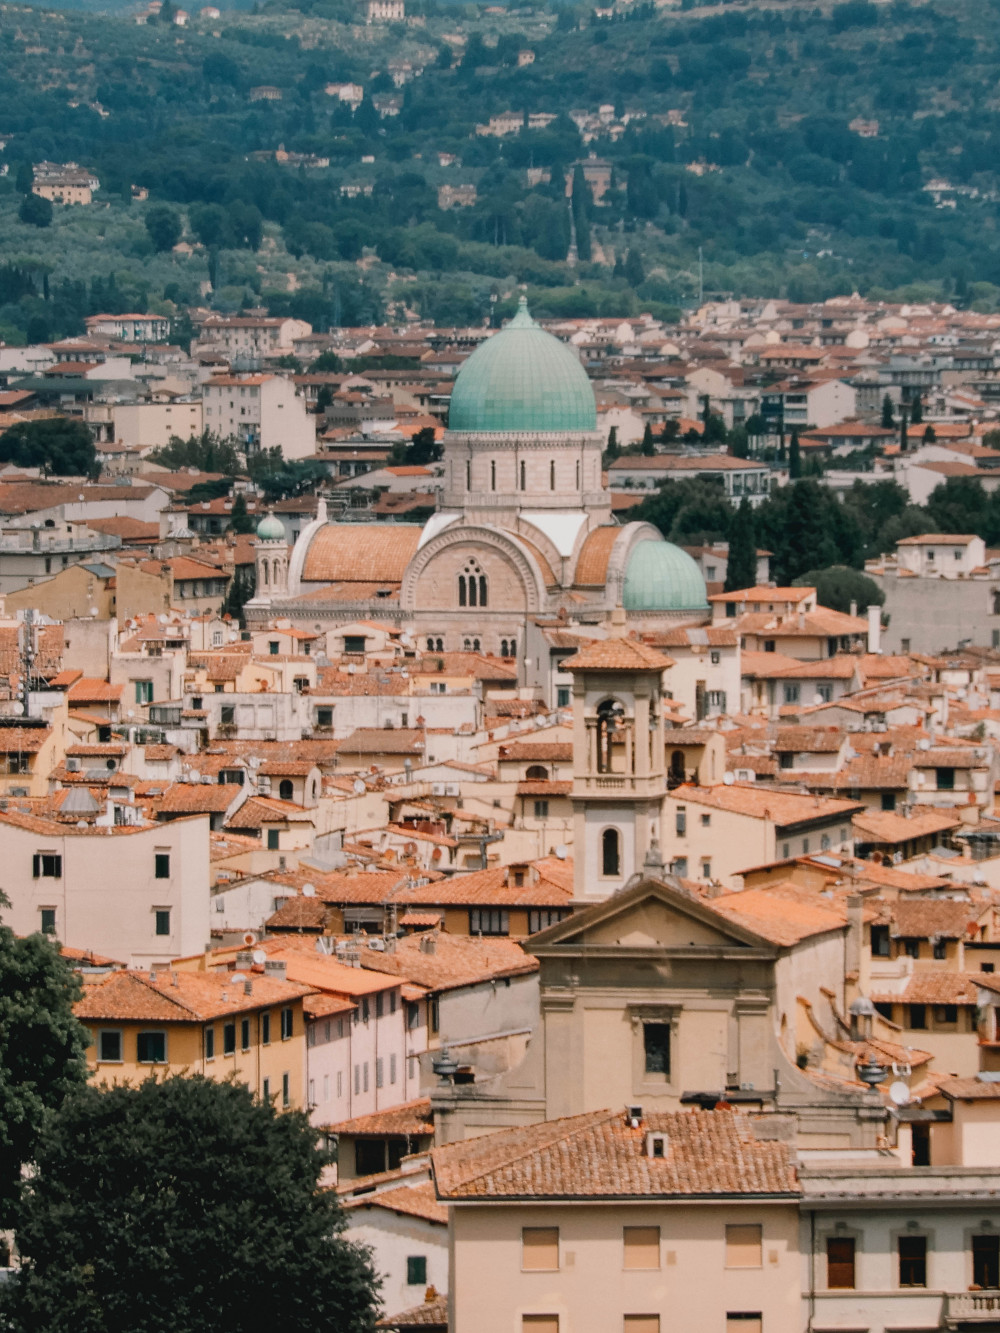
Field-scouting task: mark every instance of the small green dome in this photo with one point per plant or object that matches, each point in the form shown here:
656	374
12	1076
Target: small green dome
661	577
522	379
270	529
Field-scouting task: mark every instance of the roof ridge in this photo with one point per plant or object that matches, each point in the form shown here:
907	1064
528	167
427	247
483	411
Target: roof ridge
591	1118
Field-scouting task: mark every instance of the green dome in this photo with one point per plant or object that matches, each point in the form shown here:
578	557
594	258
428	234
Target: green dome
522	379
661	577
270	529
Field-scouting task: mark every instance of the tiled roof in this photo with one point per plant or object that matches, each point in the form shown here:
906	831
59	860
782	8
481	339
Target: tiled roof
179	997
383	740
534	752
921	918
932	988
88	691
457	960
782	807
319	1005
23	740
410	1200
259	810
299	912
598	1155
808	740
196	797
410	1118
537	787
783	913
888	826
433	1314
617	655
495	887
970	1090
361	552
592	564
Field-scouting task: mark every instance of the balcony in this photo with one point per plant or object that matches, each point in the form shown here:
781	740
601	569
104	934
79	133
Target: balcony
971	1307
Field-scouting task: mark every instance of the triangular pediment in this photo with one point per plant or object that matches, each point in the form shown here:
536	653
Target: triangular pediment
650	914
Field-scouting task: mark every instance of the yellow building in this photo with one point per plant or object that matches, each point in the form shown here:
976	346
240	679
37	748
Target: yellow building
152	1024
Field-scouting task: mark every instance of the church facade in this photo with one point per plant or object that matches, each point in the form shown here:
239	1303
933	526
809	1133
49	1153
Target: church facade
525	530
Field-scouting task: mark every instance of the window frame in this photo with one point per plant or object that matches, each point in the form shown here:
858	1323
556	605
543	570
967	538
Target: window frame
918	1258
99	1037
147	1034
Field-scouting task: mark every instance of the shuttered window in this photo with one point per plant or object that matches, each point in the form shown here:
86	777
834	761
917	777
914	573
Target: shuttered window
539	1323
743	1247
642	1323
840	1262
642	1247
539	1249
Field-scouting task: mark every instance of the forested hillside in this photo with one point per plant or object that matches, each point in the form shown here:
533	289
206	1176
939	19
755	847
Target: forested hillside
742	133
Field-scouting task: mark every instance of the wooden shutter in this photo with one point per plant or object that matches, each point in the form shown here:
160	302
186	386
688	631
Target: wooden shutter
642	1323
642	1248
743	1323
539	1248
36	866
743	1247
539	1323
840	1262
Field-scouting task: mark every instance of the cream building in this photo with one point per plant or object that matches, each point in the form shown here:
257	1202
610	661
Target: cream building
261	411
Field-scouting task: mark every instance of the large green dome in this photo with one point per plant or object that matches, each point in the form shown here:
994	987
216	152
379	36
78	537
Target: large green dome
661	577
522	379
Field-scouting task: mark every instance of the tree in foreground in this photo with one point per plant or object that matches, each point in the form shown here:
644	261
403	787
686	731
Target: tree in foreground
42	1049
184	1204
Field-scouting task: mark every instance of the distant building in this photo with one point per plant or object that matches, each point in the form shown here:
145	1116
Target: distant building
265	93
456	196
64	183
386	11
130	328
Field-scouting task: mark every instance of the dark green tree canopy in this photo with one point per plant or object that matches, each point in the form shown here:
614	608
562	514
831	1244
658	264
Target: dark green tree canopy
741	569
60	446
184	1204
838	586
164	226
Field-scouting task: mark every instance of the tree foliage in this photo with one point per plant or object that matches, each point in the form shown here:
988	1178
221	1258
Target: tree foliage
60	446
183	1204
741	569
838	587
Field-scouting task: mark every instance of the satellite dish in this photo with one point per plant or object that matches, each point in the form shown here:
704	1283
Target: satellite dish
238	976
17	709
729	778
562	851
899	1092
163	617
308	890
923	744
94	611
359	787
351	668
259	957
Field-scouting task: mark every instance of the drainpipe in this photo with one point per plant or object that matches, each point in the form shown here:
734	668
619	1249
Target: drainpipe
812	1269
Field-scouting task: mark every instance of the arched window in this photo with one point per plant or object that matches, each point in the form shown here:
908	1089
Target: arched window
430	645
440	645
264	571
524	476
285	789
472	586
611	856
608	715
277	571
537	773
475	645
513	648
552	474
493	474
503	647
467	645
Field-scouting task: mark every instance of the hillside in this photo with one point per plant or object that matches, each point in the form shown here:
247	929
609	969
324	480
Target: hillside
794	147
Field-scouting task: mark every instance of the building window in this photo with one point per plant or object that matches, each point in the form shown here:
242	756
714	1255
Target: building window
945	779
744	1247
265	1090
706	870
656	1048
706	821
539	1323
472	586
642	1247
493	474
144	691
940	949
611	859
162	865
151	1048
273	840
918	1017
539	1249
541	809
46	865
489	921
641	1323
680	821
562	696
716	701
715	656
109	1046
524	476
379	1072
227	715
879	937
840	1262
609	714
354	643
986	1261
286	1024
543	917
888	801
244	1034
913	1261
742	1321
946	1013
392	1069
229	1039
47	920
911	948
162	919
286	1091
209	1043
416	1270
324	717
791	694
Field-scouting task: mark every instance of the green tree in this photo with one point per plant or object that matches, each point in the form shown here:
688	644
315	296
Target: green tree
960	504
635	275
242	587
917	412
581	214
164	226
42	1049
648	448
888	420
741	569
35	211
693	511
239	519
930	435
838	586
25	178
183	1204
613	450
794	457
60	446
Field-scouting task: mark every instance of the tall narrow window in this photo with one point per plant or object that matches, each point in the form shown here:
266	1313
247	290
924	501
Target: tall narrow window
611	852
524	476
462	595
552	475
482	589
986	1261
468	475
913	1261
608	715
493	474
578	474
840	1262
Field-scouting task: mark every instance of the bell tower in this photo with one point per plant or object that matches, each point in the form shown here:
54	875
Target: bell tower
619	768
271	559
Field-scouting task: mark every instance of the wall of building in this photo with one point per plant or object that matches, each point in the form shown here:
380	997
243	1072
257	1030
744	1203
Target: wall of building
394	1238
151	425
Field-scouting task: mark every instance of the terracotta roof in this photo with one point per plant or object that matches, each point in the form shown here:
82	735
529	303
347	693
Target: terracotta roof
808	740
938	539
592	564
259	810
322	972
383	740
361	552
783	913
410	1200
764	594
921	918
970	1090
89	691
536	787
617	655
933	988
196	797
495	887
432	1314
598	1155
410	1118
299	912
783	807
325	1006
23	740
532	752
457	960
179	997
889	827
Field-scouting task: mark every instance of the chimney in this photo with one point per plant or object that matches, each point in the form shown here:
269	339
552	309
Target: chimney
855	921
874	629
248	986
633	1116
853	610
276	969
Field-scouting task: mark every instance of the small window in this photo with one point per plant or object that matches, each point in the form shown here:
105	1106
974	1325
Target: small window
918	1017
210	1043
227	715
324	717
144	691
642	1247
244	1034
47	917
840	1262
229	1039
945	779
416	1270
286	1091
946	1013
940	949
489	921
354	643
151	1048
913	1261
539	1249
656	1048
162	865
562	696
286	1024
539	1323
109	1046
911	948
716	657
265	1090
641	1323
162	919
265	1029
273	840
888	800
986	1261
611	853
744	1247
706	821
879	937
541	809
680	821
46	865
